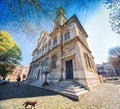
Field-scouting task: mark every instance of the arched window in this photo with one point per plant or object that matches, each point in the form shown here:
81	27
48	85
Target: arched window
42	50
49	46
55	42
54	60
66	37
46	61
88	60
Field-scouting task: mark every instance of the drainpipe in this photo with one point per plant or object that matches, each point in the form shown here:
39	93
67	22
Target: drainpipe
61	56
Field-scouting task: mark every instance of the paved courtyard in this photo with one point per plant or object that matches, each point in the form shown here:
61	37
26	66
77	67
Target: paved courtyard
104	96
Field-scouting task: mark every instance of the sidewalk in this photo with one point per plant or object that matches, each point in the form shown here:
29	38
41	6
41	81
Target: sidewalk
104	96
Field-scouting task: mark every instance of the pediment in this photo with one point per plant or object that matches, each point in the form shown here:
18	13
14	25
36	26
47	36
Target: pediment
68	54
44	38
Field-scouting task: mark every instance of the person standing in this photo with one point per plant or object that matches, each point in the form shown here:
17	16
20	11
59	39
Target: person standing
18	80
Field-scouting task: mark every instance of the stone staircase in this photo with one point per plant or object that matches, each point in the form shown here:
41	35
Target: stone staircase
68	88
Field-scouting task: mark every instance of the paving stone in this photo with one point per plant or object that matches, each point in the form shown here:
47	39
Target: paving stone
105	96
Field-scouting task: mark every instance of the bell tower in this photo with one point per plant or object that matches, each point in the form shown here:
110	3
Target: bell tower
60	17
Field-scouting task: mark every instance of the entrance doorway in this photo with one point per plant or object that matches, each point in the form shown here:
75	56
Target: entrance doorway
69	69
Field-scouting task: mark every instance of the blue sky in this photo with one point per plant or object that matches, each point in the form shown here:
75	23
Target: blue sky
96	23
101	38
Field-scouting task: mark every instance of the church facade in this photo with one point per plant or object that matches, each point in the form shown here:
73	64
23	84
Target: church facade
64	54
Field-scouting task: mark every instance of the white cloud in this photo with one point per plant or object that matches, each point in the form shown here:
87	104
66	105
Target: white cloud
101	37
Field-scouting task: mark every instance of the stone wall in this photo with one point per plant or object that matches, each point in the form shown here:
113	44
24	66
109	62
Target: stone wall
91	74
79	66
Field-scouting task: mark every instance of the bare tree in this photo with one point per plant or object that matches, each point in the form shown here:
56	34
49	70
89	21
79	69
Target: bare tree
114	57
28	15
114	7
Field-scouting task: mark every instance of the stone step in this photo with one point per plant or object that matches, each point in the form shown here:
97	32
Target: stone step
76	87
75	96
66	82
74	91
67	88
64	86
70	89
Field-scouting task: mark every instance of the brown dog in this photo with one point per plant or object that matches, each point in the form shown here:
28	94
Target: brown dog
32	103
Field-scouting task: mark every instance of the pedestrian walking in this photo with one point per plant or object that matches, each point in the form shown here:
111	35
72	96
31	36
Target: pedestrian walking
18	80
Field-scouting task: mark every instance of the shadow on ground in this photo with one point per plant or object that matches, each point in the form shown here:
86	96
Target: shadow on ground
11	90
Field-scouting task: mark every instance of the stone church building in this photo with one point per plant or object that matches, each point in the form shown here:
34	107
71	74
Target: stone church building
64	54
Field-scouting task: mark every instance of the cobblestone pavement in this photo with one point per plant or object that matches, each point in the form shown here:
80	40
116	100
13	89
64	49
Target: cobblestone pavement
104	96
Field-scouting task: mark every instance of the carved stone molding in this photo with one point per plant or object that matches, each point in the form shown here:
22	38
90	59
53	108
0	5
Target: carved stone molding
68	54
